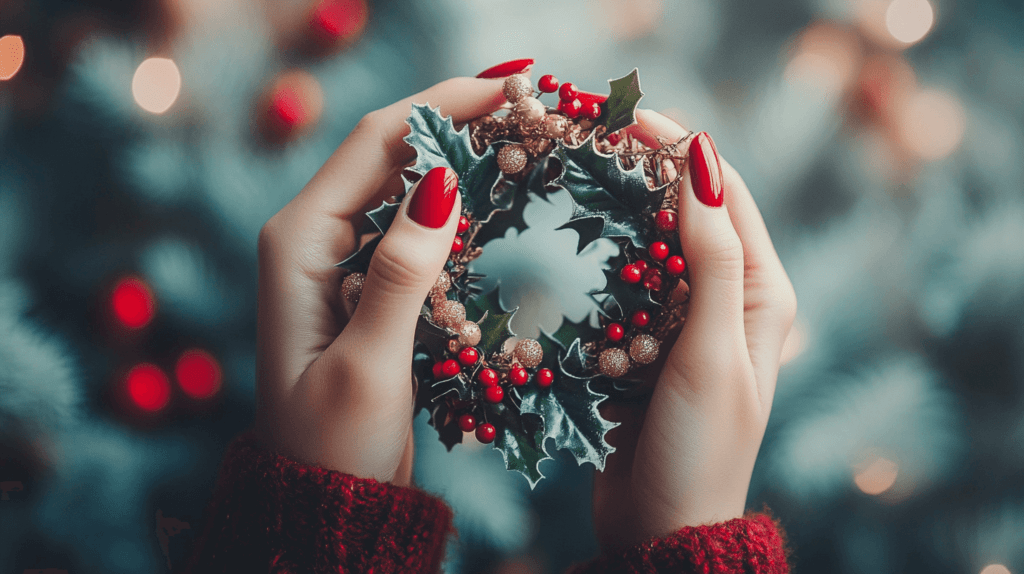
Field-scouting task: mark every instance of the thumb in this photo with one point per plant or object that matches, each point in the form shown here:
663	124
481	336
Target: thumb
408	260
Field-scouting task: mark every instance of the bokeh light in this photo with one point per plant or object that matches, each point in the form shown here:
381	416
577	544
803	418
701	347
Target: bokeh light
148	387
12	56
827	56
877	476
295	102
909	20
339	19
931	124
156	84
198	374
133	303
995	569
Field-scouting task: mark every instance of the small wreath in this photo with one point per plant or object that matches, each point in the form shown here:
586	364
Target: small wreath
472	373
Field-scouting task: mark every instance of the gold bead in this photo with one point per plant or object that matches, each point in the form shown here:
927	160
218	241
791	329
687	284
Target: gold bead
449	314
528	111
613	362
644	349
352	287
511	159
469	334
555	126
528	352
516	87
441	286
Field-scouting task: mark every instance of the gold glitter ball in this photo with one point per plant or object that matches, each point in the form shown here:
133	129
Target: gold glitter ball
352	287
516	88
644	349
449	314
528	352
613	362
441	286
555	126
511	159
469	334
528	111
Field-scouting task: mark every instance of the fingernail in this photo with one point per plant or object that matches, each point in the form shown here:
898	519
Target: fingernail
706	171
432	202
507	69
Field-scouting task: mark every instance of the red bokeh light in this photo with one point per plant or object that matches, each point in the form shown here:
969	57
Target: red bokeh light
198	374
340	18
287	107
133	303
148	387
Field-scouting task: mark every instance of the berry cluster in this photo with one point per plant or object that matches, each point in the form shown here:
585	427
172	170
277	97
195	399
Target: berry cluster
458	244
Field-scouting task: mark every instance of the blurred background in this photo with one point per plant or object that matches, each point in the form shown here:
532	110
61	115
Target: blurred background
144	143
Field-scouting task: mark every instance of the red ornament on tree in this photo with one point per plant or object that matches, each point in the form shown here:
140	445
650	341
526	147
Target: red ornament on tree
133	303
147	387
485	433
198	374
338	21
294	104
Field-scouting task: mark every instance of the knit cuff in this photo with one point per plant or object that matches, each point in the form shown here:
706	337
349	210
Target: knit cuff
754	544
272	514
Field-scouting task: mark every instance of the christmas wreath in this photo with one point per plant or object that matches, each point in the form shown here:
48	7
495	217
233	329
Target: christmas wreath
472	373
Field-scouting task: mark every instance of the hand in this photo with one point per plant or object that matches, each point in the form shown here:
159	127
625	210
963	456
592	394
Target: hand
335	388
685	458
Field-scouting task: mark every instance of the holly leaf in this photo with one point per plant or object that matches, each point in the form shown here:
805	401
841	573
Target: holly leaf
489	303
608	201
520	440
360	260
433	337
459	384
628	297
619	110
383	216
494	330
437	144
447	427
568	409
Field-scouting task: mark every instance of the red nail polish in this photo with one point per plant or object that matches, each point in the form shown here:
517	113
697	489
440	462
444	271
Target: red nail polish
432	202
706	171
507	69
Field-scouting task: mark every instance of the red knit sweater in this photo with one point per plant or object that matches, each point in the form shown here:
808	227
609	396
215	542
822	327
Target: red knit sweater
272	514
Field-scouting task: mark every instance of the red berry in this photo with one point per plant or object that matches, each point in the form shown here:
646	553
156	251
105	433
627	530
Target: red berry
665	220
675	265
592	111
630	274
658	250
463	224
571	108
451	368
485	433
547	83
641	265
467	422
518	376
494	394
438	369
641	318
568	92
652	280
614	332
613	138
544	378
487	377
468	356
456	244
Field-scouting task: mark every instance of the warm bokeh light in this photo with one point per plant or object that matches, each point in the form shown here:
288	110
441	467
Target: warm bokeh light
156	84
931	124
198	374
631	19
296	101
133	303
12	56
877	476
909	20
995	569
340	19
148	387
827	56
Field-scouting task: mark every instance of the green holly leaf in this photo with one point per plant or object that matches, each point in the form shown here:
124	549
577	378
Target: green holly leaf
433	337
608	201
628	297
502	221
442	419
437	144
360	260
520	440
459	384
619	110
568	409
384	216
494	330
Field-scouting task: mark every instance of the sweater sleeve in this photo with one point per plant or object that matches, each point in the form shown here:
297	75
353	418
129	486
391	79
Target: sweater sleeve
272	514
754	544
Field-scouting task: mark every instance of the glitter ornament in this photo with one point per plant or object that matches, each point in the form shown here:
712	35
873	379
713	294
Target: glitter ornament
469	334
529	111
613	362
352	287
516	88
644	349
441	286
511	159
555	126
528	352
449	314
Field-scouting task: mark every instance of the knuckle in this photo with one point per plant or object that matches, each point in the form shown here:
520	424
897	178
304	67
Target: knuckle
720	254
269	238
400	267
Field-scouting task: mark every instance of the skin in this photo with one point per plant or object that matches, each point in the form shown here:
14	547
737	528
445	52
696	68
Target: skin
334	386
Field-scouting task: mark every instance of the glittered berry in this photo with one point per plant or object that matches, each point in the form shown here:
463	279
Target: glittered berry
547	83
665	220
641	265
652	280
485	433
614	332
640	318
631	274
468	356
456	244
613	138
467	422
544	378
568	92
451	368
438	370
518	376
592	111
463	224
571	108
658	250
487	377
494	394
675	265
